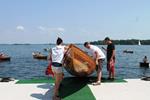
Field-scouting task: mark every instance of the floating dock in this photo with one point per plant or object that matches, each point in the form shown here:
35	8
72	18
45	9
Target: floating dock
76	89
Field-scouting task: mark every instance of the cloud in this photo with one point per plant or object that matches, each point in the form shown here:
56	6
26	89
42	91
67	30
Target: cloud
42	28
60	29
56	30
20	28
51	30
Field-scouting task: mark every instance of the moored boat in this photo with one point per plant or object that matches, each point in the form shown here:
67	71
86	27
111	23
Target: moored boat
127	51
4	57
38	55
47	49
142	64
77	62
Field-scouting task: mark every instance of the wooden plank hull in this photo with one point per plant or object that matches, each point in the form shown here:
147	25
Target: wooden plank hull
78	63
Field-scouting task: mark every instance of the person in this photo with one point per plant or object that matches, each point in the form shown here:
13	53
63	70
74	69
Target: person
98	56
56	55
110	57
145	60
2	54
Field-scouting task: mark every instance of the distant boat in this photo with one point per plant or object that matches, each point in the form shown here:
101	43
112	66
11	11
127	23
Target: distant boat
38	55
142	64
127	51
4	57
47	49
139	43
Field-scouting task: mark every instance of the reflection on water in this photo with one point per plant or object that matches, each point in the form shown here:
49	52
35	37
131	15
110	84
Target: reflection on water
22	64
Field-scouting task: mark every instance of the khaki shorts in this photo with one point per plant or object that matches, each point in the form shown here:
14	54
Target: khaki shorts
57	69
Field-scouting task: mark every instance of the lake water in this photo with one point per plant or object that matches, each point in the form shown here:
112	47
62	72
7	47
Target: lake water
23	66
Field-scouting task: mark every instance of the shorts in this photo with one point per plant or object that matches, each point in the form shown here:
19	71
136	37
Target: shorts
99	64
111	66
57	70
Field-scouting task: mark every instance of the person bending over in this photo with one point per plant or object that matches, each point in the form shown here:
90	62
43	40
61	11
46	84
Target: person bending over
98	56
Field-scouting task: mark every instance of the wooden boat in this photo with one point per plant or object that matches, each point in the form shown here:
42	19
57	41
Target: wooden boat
77	62
38	55
142	64
4	57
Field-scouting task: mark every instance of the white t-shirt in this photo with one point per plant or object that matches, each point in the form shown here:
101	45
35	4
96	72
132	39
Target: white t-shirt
98	50
58	53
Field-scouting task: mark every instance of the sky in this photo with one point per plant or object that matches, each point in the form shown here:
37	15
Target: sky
75	21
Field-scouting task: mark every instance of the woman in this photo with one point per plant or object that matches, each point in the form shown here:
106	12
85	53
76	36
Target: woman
56	55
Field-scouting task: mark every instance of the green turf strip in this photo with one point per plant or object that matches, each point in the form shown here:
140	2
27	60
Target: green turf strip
34	81
82	94
51	80
75	89
113	81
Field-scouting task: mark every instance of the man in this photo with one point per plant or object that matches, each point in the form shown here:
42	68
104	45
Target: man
145	60
56	56
110	58
98	56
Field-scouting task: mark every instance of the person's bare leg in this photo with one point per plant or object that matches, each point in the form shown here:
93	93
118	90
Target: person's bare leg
58	79
113	71
99	73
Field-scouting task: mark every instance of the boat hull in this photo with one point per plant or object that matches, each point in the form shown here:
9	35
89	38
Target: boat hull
78	63
39	56
144	64
127	51
4	58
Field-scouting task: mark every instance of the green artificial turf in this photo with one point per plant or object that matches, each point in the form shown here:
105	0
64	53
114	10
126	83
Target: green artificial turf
75	89
33	81
51	80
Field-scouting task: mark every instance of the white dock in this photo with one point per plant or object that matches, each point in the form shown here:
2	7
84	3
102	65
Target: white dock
12	91
133	89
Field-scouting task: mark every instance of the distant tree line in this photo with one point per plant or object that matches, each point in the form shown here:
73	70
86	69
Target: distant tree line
123	42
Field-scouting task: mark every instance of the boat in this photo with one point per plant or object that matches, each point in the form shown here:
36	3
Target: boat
4	57
77	62
38	55
47	49
147	78
127	51
6	79
142	64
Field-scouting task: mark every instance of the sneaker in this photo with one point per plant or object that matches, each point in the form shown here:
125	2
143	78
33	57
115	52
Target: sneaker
96	83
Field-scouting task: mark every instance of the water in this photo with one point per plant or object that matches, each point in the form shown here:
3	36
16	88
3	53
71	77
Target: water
23	66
